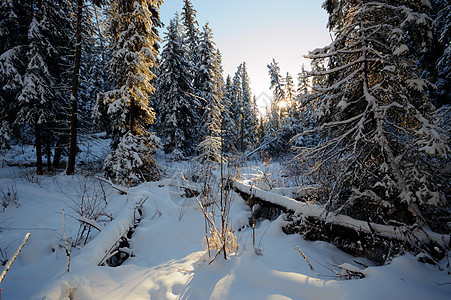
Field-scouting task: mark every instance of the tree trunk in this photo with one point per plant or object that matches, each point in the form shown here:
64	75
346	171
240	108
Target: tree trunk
38	150
74	96
58	153
48	150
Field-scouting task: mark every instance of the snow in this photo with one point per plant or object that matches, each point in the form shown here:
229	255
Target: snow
170	261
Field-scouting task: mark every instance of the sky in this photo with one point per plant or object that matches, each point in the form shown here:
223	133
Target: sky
256	31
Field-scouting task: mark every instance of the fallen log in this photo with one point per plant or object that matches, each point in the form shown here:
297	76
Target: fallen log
377	242
107	248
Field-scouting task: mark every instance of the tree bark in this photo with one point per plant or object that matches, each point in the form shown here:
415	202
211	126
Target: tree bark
74	95
48	150
38	150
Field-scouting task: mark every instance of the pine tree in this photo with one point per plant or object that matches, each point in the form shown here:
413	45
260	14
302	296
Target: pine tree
380	157
177	105
133	56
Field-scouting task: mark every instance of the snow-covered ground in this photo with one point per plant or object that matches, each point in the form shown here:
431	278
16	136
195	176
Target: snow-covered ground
170	261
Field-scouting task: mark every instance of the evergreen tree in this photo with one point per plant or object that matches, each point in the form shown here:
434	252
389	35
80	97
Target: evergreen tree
40	103
248	118
277	82
290	91
283	122
380	157
229	125
303	83
192	34
82	25
133	56
235	98
292	104
177	105
207	84
442	64
14	23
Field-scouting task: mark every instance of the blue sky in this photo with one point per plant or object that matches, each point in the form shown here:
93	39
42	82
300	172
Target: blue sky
255	31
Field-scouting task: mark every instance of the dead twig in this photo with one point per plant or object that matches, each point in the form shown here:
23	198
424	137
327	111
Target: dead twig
305	258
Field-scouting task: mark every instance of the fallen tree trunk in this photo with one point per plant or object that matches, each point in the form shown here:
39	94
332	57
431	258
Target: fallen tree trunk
377	242
107	248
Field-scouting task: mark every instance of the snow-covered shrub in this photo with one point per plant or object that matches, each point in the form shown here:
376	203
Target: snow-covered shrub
131	162
29	175
8	196
89	206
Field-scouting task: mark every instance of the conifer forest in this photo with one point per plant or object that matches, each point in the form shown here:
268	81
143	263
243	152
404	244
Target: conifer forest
134	167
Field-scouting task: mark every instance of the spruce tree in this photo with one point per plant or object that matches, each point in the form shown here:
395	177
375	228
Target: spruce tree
207	84
43	94
248	119
277	82
235	99
81	20
380	157
442	63
133	56
15	18
192	33
177	105
229	125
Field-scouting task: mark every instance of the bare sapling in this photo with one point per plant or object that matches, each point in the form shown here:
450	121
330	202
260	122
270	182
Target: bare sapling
66	245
